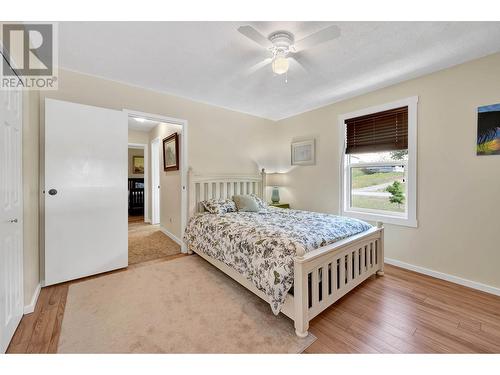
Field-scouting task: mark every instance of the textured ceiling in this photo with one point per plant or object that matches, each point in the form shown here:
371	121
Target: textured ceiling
209	61
142	126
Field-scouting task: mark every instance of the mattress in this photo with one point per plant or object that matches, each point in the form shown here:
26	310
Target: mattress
261	245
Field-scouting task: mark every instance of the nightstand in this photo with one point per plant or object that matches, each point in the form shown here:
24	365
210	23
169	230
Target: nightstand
280	205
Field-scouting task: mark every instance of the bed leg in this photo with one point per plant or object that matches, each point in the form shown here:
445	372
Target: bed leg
300	299
301	334
190	252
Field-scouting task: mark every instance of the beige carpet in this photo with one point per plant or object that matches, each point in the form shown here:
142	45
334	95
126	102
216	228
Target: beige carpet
147	242
179	306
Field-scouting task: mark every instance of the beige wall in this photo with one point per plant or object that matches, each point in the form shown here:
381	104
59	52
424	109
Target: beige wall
220	140
131	153
458	192
139	137
170	184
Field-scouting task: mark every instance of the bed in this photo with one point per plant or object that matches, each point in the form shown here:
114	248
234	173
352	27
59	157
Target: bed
300	262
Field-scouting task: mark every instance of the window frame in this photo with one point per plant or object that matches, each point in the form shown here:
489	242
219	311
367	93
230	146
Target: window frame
410	218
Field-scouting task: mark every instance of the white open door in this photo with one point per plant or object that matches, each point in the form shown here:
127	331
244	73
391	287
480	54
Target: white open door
85	214
11	215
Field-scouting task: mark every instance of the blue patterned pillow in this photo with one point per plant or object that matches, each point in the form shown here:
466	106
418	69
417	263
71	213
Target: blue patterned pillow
261	202
219	206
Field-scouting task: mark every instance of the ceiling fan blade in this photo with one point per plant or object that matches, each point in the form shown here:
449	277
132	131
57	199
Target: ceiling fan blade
259	66
322	36
303	61
254	35
297	61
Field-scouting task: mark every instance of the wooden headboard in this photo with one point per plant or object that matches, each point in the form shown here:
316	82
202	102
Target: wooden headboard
202	187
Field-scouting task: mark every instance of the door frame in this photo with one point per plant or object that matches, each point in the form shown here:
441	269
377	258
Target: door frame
154	183
20	217
20	222
183	159
145	148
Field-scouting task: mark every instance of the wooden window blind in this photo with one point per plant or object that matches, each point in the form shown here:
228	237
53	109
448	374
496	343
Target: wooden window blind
376	132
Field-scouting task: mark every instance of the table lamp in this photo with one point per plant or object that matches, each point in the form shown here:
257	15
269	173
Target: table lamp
276	180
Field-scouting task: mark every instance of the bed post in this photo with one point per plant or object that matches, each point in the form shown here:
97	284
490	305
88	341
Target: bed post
380	225
263	184
300	297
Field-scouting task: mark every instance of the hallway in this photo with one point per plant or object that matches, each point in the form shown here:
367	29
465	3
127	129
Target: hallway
147	242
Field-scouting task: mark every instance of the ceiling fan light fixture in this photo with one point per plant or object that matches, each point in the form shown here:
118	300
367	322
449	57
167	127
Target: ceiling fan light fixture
280	65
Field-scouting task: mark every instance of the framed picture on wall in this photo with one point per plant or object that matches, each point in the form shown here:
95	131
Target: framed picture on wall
488	130
303	152
171	153
138	164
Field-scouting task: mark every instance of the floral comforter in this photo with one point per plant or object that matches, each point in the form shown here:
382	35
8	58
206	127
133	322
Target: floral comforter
261	245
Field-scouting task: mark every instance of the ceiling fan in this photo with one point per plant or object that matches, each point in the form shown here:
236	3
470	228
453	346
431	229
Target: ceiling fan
283	47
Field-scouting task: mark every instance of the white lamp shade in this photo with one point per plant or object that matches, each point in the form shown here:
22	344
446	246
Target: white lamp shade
276	179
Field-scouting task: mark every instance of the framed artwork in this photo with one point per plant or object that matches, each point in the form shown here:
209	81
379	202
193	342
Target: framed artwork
488	130
138	164
303	152
171	153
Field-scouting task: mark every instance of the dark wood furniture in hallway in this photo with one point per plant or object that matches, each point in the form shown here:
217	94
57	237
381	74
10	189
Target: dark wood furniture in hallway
136	196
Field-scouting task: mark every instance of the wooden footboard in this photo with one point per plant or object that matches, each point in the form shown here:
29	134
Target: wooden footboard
324	275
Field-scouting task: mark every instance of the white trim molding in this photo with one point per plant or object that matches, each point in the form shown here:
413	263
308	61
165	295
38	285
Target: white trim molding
172	236
155	144
410	219
28	309
444	276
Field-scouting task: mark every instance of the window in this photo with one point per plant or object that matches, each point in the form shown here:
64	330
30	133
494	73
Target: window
378	169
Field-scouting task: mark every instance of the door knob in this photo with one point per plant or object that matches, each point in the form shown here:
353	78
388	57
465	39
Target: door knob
13	221
52	191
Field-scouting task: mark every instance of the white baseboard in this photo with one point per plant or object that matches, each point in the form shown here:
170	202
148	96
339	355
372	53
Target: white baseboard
444	276
28	309
171	235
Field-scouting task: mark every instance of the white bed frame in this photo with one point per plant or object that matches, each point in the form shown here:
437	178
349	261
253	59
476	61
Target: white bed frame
321	276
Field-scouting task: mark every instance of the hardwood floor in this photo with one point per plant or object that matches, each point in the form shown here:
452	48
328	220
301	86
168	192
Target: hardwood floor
136	219
406	312
402	312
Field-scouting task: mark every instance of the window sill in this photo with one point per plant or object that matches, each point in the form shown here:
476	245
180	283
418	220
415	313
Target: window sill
386	219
